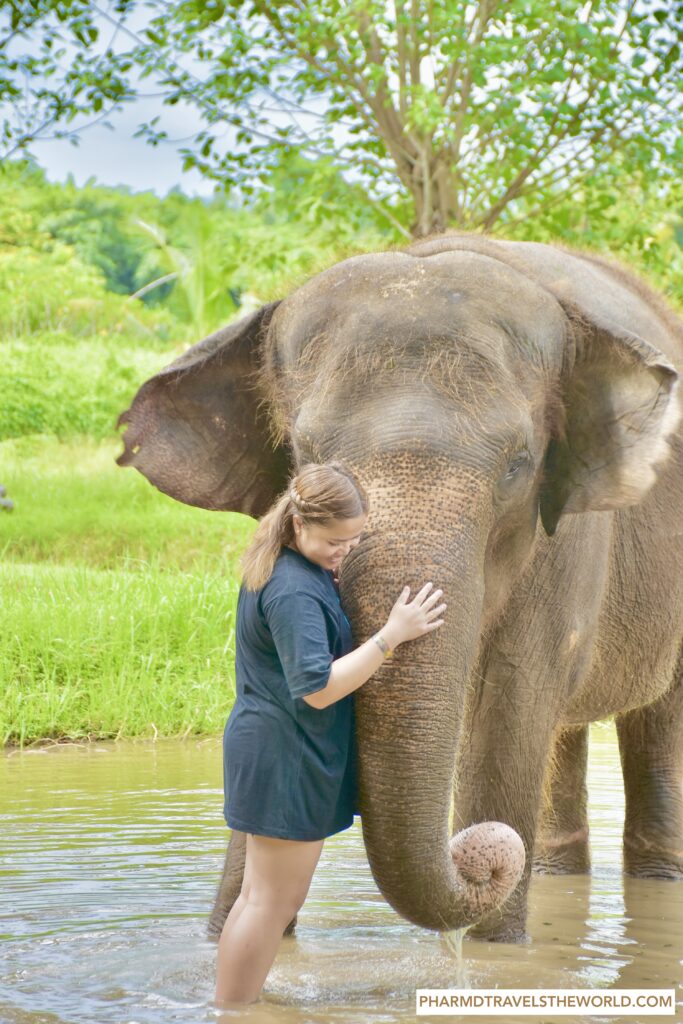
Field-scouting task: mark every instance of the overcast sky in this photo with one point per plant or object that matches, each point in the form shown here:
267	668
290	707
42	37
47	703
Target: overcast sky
116	158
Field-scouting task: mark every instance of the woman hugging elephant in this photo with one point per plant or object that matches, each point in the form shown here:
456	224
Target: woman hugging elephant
512	411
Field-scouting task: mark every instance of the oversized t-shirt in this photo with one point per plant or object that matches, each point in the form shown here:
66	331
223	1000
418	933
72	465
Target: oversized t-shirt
289	768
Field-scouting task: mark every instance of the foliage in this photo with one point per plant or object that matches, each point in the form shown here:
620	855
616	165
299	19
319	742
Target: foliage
95	222
66	387
463	108
96	654
36	288
228	259
317	216
75	506
122	607
72	350
75	351
449	112
632	218
54	291
60	74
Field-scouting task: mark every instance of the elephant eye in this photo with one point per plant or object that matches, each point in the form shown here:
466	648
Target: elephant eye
515	468
516	465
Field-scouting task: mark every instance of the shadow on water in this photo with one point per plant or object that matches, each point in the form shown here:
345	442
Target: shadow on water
109	859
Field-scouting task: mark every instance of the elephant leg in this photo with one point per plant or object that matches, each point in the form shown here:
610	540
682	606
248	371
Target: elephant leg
231	884
562	838
511	794
651	747
500	775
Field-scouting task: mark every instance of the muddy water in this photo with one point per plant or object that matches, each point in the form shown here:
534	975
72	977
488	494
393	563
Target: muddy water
110	854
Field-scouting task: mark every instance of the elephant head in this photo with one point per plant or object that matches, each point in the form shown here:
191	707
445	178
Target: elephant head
474	402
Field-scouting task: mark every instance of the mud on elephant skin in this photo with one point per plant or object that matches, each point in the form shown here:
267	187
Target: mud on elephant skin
513	411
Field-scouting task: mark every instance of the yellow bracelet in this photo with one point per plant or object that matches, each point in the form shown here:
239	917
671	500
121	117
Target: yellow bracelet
383	645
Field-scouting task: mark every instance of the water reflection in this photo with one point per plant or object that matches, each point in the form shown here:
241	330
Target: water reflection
110	855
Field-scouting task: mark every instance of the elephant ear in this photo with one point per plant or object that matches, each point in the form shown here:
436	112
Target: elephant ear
198	430
620	404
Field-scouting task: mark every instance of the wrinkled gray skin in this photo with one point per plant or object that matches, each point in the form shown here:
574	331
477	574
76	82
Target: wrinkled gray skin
507	406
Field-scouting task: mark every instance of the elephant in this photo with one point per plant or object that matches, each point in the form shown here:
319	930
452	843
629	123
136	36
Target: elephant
513	411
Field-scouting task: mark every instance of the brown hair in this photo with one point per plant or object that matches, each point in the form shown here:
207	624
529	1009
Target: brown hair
318	493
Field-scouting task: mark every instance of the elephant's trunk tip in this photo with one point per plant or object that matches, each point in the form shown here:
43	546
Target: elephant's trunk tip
490	858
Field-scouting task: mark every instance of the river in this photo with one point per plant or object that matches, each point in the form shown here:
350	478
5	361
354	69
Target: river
110	854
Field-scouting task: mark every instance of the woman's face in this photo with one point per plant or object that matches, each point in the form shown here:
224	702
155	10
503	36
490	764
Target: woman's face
328	545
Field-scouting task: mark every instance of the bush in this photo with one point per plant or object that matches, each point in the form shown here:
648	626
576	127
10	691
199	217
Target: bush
52	290
69	388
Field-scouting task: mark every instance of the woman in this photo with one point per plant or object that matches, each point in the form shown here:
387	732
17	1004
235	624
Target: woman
289	742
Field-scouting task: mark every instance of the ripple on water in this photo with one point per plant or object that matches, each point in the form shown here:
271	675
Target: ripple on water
111	854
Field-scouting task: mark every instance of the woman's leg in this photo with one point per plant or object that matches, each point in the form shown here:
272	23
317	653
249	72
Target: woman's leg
277	877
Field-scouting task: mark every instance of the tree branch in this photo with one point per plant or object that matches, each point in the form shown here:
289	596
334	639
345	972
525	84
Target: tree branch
514	188
455	66
392	220
415	38
485	11
153	284
403	158
401	55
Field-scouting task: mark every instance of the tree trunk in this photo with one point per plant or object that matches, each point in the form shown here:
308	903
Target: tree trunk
435	196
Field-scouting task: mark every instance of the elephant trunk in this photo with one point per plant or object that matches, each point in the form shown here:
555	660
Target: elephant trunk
408	722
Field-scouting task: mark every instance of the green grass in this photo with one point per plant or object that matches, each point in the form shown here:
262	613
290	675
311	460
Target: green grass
99	653
62	385
74	505
117	602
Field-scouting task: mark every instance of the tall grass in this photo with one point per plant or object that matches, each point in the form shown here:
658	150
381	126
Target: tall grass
66	387
74	505
117	602
95	653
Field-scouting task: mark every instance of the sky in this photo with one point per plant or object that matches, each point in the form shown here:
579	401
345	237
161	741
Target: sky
117	158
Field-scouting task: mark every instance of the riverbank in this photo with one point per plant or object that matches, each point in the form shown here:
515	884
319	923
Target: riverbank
118	603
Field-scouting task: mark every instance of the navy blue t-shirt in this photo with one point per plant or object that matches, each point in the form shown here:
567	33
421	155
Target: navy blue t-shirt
289	768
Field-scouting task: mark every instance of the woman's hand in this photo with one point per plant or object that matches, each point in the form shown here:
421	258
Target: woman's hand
408	620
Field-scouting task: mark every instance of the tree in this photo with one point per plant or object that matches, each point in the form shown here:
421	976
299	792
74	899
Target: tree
451	113
57	75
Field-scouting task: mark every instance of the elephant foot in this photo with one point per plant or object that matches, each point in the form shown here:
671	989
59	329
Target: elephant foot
644	858
507	923
563	854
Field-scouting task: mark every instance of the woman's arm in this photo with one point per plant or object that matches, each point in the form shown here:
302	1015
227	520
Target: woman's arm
351	671
405	622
